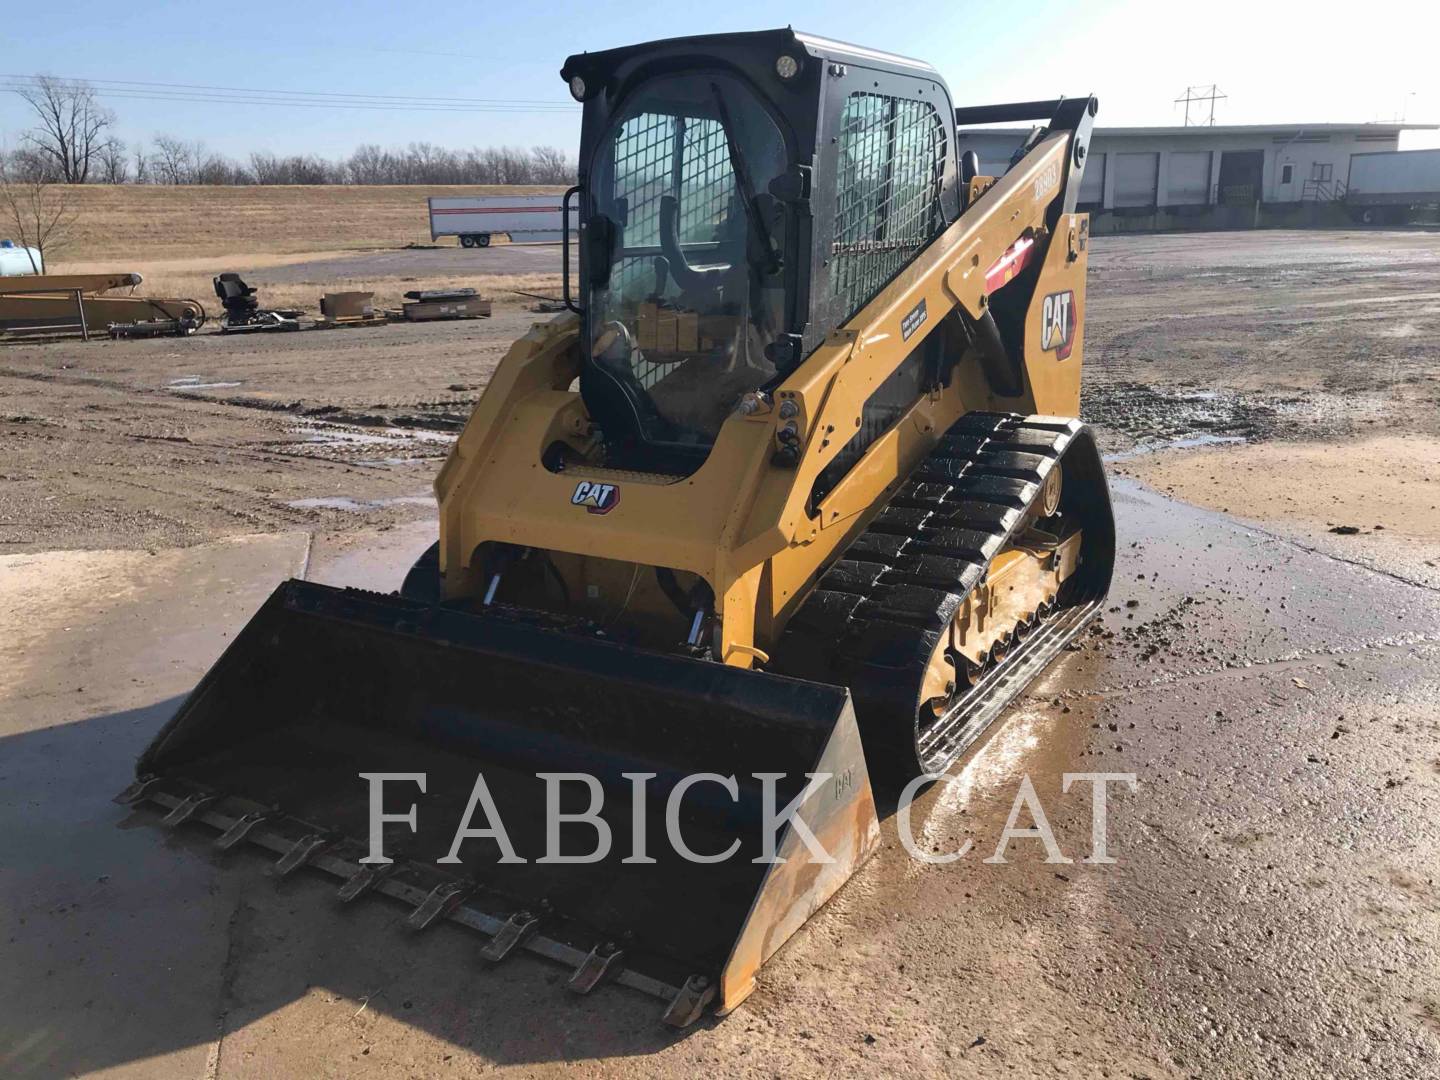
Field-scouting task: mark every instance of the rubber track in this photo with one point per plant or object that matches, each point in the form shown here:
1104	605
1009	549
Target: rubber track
877	614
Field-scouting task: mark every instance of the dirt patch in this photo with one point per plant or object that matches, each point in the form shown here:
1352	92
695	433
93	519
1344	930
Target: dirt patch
173	443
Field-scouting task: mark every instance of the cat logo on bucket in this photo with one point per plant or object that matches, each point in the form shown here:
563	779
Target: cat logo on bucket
596	498
1057	323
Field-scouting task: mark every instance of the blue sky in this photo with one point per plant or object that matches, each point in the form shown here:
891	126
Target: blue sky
1278	63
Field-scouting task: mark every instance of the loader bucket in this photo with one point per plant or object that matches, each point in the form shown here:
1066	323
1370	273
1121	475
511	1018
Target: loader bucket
324	685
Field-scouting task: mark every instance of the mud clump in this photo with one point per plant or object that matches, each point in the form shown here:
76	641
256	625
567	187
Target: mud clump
1137	417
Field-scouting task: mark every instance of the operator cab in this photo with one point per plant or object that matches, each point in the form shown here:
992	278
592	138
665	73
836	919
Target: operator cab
692	292
710	264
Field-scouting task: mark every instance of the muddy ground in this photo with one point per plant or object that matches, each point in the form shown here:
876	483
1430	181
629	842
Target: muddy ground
1272	685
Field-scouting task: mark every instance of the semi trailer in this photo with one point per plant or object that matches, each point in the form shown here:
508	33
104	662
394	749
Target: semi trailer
476	220
1390	186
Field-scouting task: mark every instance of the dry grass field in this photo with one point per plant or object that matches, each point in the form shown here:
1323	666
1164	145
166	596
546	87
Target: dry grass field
145	224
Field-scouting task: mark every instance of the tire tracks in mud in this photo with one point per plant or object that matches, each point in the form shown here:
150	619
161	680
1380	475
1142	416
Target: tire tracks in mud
449	421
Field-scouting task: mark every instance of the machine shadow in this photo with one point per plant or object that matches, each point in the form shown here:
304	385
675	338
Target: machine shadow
127	941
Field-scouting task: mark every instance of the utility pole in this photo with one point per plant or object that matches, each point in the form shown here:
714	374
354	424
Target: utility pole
1197	94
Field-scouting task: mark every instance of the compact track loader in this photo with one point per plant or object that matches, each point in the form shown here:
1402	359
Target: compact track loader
792	498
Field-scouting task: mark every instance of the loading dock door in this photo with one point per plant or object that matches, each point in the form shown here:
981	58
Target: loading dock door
1189	179
1092	184
1240	172
1135	176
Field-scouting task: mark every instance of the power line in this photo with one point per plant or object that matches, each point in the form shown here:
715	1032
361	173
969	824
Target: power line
1191	95
202	94
255	90
201	99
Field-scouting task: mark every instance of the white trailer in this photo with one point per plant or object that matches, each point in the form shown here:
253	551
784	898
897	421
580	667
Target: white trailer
1389	186
524	218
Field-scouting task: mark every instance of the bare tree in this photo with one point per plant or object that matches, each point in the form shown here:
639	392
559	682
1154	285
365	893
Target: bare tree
516	166
173	160
217	169
368	165
552	166
169	159
26	164
112	163
40	213
267	168
177	161
73	125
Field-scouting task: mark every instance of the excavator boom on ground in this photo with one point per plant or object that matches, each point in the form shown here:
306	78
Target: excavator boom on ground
63	303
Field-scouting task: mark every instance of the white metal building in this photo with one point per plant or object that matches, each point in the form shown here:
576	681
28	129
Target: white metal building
1181	170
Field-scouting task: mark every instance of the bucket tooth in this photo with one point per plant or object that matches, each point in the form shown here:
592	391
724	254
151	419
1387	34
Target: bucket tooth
595	967
241	829
364	879
299	854
516	929
188	809
443	899
689	1004
137	792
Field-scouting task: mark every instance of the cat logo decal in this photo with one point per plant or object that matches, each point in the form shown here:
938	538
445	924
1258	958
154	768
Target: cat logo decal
1057	323
596	498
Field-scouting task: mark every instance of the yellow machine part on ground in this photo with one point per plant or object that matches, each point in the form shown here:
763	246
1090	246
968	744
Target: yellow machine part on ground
66	302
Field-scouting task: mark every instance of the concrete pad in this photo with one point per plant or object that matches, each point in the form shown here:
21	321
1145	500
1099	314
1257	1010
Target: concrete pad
1274	908
115	939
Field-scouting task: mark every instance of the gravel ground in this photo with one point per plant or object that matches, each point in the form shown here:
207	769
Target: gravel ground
1262	335
166	442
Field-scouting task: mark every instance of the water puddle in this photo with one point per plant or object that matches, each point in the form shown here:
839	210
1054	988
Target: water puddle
334	435
378	562
197	382
1188	442
360	506
372	447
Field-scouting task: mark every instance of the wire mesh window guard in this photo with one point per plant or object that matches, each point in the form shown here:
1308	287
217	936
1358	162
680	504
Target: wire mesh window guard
647	166
892	154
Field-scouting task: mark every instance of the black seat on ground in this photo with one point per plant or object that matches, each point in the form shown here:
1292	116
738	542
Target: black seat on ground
237	297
